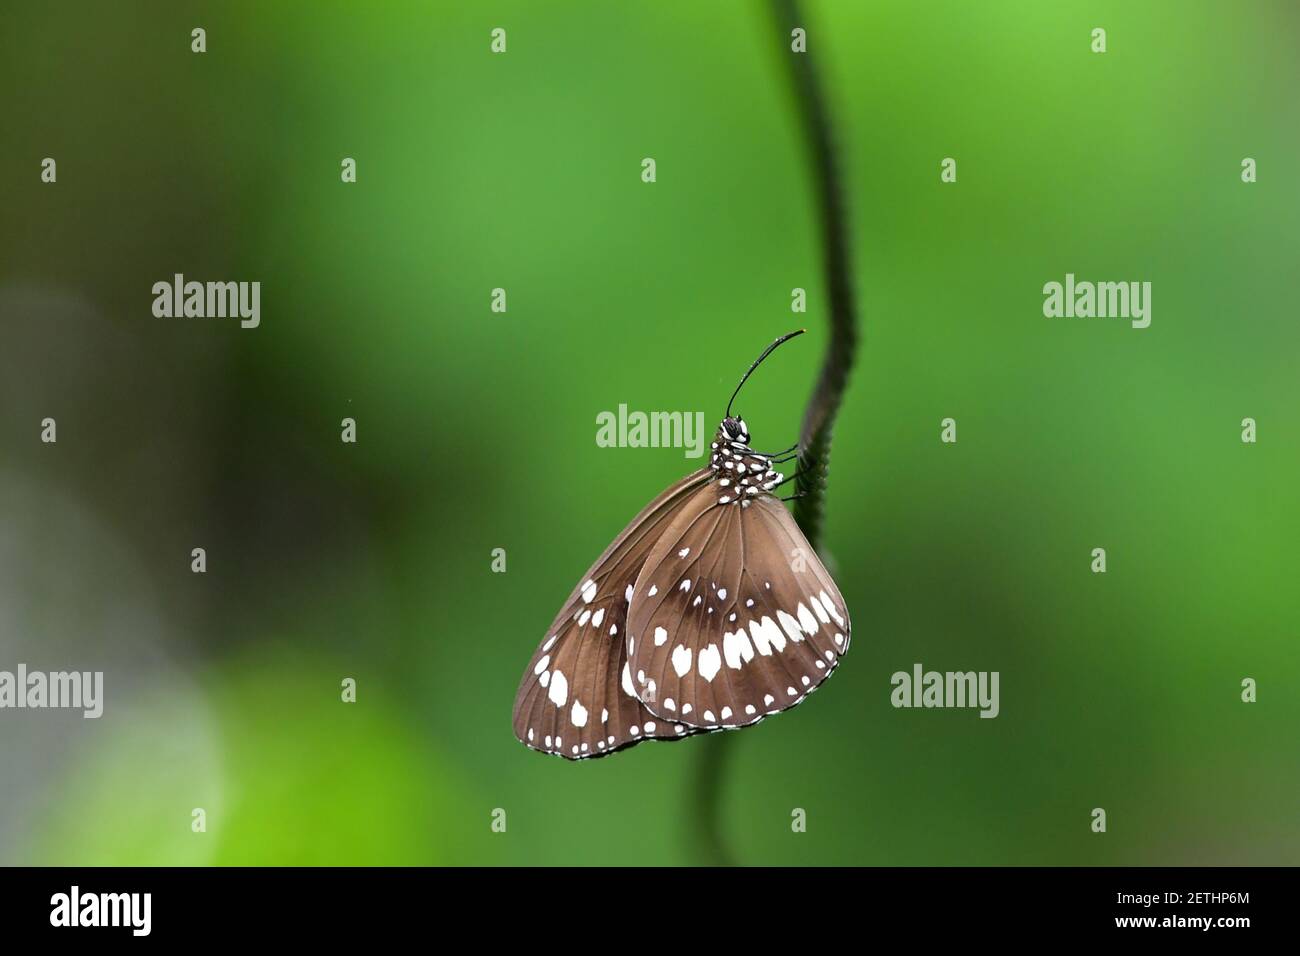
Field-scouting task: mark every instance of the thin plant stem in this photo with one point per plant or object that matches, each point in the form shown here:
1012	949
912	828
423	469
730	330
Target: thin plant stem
824	403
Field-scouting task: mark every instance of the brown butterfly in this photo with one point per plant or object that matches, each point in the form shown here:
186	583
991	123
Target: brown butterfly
710	611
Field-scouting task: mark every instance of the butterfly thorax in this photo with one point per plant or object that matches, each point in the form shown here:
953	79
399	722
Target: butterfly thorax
740	472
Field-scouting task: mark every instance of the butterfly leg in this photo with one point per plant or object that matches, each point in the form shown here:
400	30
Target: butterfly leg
780	454
797	474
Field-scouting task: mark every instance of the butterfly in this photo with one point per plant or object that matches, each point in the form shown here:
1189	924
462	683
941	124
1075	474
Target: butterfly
709	611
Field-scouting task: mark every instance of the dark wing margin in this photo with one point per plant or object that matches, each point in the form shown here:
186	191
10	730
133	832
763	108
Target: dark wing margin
576	698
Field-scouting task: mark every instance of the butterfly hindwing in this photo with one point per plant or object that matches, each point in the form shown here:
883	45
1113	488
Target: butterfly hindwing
576	697
733	616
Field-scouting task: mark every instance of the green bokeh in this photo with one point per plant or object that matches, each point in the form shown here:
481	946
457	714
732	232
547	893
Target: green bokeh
476	430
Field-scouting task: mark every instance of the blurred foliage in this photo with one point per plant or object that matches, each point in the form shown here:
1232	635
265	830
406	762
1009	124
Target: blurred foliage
281	770
476	430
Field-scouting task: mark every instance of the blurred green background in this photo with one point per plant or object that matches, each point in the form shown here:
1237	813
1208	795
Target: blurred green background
476	430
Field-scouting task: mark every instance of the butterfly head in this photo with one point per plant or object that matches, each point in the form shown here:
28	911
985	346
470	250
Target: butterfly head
734	431
742	473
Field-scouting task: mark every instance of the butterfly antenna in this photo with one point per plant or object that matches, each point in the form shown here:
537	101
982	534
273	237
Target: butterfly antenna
766	352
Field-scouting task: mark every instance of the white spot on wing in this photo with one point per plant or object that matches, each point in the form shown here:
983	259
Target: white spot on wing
830	609
660	636
559	689
544	663
791	625
589	592
682	660
767	636
579	714
737	649
710	662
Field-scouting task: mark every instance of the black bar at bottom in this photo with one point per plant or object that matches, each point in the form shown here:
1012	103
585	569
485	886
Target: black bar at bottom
332	905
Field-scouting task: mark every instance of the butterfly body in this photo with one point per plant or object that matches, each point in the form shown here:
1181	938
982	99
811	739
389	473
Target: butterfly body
740	471
710	611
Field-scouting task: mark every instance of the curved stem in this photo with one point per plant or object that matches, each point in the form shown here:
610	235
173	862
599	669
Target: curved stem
824	403
711	763
819	415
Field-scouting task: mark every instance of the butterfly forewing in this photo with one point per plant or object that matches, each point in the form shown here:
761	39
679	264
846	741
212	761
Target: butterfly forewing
576	698
733	616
